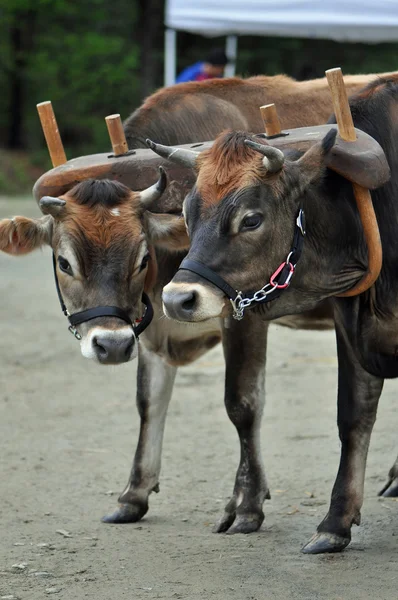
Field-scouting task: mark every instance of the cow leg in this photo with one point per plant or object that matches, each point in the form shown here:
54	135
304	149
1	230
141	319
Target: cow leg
155	379
245	353
390	490
358	396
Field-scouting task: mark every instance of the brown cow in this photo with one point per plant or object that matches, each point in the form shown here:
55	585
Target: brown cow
198	111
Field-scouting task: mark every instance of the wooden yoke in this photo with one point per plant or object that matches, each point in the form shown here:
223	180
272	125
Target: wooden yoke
362	195
116	133
51	133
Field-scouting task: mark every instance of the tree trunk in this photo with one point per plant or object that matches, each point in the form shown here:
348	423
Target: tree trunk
15	128
149	27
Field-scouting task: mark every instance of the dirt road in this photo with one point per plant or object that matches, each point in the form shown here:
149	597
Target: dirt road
68	429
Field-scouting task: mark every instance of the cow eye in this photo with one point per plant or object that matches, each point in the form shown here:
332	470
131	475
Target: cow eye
252	221
64	265
144	261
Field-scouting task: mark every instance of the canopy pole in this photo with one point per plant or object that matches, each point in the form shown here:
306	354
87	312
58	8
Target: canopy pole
170	51
231	50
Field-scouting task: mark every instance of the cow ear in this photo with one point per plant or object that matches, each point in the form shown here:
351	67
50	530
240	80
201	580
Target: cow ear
152	271
312	164
166	230
20	235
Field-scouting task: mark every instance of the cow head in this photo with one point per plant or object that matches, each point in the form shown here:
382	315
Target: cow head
241	219
102	235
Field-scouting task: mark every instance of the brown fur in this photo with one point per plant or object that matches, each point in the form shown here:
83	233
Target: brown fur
198	111
167	231
376	86
98	224
229	165
20	235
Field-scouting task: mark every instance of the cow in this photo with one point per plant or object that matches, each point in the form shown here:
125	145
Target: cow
102	236
246	214
198	111
109	249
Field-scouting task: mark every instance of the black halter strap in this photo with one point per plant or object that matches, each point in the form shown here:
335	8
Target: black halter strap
103	311
279	280
200	269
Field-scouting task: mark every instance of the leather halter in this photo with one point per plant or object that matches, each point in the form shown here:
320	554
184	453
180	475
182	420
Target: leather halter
279	280
103	311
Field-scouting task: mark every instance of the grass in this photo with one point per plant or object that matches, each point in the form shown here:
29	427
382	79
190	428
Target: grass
18	173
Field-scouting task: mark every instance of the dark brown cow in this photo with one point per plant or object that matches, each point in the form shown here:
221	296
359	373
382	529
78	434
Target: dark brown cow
245	216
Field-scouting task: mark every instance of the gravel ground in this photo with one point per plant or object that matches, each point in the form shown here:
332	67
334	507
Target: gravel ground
68	429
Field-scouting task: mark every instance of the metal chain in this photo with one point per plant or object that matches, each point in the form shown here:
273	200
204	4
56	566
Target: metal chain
239	304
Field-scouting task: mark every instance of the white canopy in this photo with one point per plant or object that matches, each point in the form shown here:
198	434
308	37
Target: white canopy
340	20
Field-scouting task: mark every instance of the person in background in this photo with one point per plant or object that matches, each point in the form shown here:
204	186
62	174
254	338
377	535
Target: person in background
213	66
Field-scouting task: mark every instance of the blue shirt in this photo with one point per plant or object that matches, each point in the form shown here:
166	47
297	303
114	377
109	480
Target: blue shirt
191	73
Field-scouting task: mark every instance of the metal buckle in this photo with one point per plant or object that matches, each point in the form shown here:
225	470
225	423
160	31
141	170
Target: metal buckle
238	310
300	221
74	332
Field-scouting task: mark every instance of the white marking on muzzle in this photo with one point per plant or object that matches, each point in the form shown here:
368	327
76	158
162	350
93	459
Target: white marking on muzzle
209	303
120	334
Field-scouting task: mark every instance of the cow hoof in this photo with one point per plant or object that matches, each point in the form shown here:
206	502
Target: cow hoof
246	523
325	542
224	523
126	513
231	524
391	490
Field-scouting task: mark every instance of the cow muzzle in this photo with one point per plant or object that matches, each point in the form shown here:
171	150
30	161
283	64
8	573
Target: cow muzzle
192	302
110	346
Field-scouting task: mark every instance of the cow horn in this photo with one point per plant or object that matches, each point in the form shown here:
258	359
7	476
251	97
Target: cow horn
273	158
52	206
181	156
153	193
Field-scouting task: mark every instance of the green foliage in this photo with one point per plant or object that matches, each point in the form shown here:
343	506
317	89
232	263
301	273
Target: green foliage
80	55
17	172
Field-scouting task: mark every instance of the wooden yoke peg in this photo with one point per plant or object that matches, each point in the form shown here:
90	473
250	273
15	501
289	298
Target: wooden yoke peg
116	134
51	133
362	195
271	120
341	106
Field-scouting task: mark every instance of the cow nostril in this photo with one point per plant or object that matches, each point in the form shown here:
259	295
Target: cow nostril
113	349
100	349
188	301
